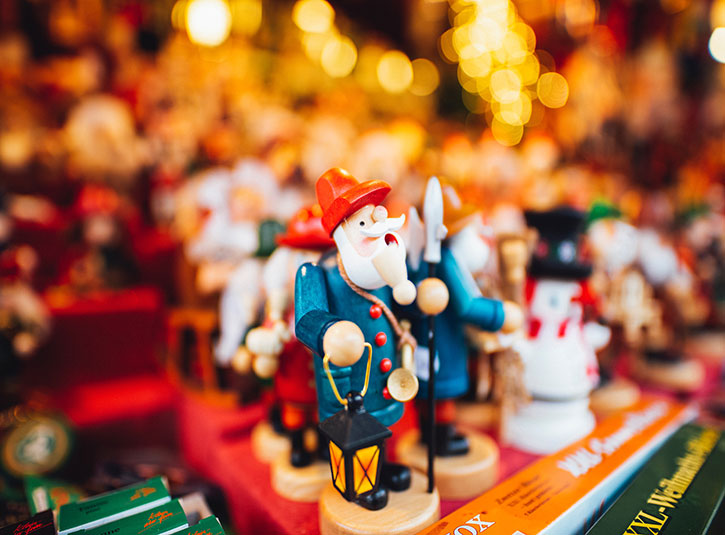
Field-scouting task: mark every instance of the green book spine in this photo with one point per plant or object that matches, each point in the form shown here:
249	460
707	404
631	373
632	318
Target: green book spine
112	506
167	518
207	526
43	493
678	492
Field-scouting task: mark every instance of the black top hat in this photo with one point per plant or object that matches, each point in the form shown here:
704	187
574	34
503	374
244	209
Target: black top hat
556	254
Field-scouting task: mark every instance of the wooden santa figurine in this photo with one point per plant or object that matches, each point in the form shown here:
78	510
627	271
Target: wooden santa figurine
559	352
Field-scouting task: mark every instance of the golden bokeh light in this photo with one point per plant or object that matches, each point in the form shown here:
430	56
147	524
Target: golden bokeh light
505	85
246	16
338	57
425	77
395	71
506	134
717	44
552	90
717	13
577	16
178	14
208	22
314	16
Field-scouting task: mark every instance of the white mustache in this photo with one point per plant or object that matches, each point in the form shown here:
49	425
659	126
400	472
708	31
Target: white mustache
379	228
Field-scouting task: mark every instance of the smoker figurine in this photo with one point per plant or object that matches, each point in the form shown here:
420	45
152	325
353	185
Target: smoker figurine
343	305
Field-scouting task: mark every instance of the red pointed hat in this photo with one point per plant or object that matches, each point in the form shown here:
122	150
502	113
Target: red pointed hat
304	231
340	195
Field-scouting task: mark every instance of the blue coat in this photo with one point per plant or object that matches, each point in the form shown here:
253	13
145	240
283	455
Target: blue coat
466	306
322	298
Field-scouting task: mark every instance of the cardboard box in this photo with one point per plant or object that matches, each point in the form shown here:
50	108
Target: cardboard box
679	490
162	520
564	493
112	506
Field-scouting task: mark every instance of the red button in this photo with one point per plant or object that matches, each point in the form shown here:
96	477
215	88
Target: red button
385	365
386	393
375	312
381	338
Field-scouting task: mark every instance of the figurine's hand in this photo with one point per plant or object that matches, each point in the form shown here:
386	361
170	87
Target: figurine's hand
513	317
265	341
344	343
432	296
242	361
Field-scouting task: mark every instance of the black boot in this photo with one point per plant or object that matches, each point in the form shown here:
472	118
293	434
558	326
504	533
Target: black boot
299	457
374	501
449	442
394	476
275	418
323	448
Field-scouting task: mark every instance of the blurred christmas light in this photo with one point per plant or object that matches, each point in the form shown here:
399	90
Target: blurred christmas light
505	85
552	90
208	22
314	16
717	44
498	64
395	71
425	77
717	14
577	16
339	56
246	16
506	134
178	14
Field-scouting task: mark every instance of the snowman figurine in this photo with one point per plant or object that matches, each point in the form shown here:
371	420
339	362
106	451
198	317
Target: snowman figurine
560	364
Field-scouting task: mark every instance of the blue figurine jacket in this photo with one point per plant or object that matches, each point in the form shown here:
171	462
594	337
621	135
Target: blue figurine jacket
323	298
466	306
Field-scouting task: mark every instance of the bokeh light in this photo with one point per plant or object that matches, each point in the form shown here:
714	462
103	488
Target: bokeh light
208	22
425	77
395	71
314	16
338	56
246	16
552	90
717	44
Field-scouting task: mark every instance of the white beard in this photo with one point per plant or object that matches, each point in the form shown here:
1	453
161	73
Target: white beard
359	269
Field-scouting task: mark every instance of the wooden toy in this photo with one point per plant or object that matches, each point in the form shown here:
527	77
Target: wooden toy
344	311
277	354
664	362
462	256
559	352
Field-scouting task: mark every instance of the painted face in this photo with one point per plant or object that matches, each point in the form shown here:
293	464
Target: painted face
372	253
552	299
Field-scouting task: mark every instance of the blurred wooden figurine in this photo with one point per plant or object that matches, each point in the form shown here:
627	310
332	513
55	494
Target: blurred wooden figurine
559	354
103	259
274	352
664	362
343	312
625	304
24	318
463	255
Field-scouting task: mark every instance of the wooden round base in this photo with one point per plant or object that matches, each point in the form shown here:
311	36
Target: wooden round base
299	484
617	395
267	444
686	375
477	414
407	512
457	478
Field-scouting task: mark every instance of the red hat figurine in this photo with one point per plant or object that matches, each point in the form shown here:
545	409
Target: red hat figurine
340	195
305	231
